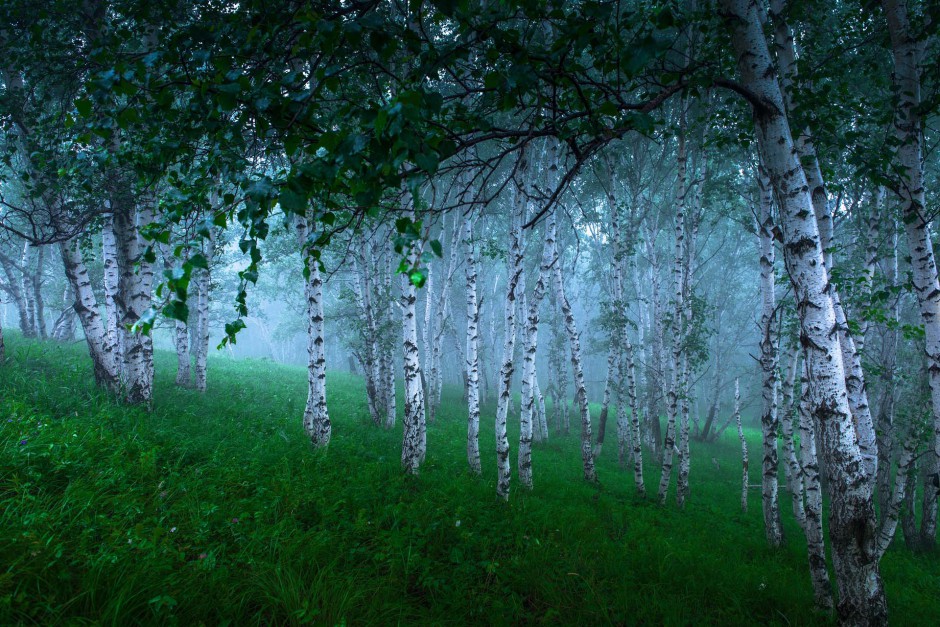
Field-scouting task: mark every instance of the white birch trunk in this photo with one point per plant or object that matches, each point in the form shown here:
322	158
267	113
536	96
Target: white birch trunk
203	287
787	417
542	423
813	507
852	518
672	394
388	356
768	360
180	333
133	299
737	420
112	279
514	274
531	338
906	51
29	295
574	342
414	439
362	287
473	346
316	417
636	441
102	351
806	151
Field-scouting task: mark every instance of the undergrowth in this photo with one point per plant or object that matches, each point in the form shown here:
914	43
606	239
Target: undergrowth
213	509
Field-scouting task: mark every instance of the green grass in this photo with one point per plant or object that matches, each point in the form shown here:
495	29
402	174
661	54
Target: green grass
214	509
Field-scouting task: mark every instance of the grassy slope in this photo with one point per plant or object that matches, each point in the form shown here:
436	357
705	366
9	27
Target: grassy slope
214	508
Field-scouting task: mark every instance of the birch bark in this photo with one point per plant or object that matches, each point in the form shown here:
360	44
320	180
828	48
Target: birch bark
203	288
531	335
787	417
906	52
414	439
768	350
102	351
317	423
737	420
574	343
514	273
812	490
473	345
852	517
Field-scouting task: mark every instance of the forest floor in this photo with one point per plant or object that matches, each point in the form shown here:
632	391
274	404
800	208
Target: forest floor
214	509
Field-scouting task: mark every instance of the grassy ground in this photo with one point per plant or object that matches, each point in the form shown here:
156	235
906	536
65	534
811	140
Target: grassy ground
213	509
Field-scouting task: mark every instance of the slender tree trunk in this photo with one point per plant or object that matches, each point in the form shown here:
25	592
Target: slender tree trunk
14	285
388	353
316	417
574	342
612	364
636	440
363	291
29	295
514	274
542	416
787	417
672	394
852	517
414	440
908	162
111	285
531	336
426	331
809	160
768	349
737	420
888	368
180	332
203	287
36	286
655	377
473	345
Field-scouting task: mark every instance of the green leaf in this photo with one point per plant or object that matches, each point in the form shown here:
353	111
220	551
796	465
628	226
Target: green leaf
83	106
437	248
199	261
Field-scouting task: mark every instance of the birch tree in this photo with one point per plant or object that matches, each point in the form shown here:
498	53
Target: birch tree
908	127
317	423
852	518
768	360
473	343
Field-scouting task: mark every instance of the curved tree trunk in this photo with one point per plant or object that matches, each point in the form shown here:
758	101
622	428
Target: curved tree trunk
852	518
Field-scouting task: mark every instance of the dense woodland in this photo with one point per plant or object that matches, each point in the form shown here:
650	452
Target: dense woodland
643	227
